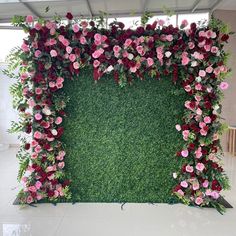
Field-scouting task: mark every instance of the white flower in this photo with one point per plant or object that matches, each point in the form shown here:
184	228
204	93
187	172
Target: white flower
46	111
54	132
174	175
194	63
168	54
198	79
109	68
130	56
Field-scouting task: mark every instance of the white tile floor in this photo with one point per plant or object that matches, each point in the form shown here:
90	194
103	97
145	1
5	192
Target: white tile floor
98	219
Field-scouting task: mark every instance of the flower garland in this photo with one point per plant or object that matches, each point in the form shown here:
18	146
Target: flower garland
53	52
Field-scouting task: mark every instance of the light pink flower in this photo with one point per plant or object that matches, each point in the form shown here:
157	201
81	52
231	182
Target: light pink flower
161	22
133	69
37	53
214	49
98	37
38	149
184	153
199	112
198	87
34	143
38	116
180	192
207	119
198	200
96	63
189	169
224	85
215	194
38	184
25	47
68	49
83	40
72	57
52	84
184	184
58	120
38	26
150	61
205	184
29	19
60	80
207	47
52	31
53	53
65	42
203	132
75	28
98	53
209	69
178	127
116	49
196	186
61	164
140	50
185	134
38	135
191	45
202	34
200	166
184	23
29	199
217	71
169	37
127	43
202	73
76	65
187	88
38	91
185	60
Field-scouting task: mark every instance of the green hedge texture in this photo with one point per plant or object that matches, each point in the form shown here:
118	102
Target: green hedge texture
121	142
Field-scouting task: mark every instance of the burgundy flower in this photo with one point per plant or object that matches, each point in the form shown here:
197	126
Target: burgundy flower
27	146
225	37
69	16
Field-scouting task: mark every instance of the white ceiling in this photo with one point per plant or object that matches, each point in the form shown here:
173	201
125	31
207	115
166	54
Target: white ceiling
116	8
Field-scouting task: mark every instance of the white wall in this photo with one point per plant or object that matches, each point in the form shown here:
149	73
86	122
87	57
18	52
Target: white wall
7	113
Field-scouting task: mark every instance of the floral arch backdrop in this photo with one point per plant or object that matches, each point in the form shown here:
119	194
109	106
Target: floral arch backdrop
54	51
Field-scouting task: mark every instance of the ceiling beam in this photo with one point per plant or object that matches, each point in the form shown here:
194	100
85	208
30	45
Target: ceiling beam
27	5
89	8
195	5
215	5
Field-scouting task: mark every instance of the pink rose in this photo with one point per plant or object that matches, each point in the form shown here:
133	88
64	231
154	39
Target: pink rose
202	73
60	80
38	149
133	69
96	63
34	143
207	119
150	61
29	199
58	120
200	166
224	85
76	65
184	23
180	192
161	22
38	26
205	183
198	200
187	88
38	116
25	47
140	50
215	195
98	37
75	28
127	42
191	45
97	53
53	53
52	31
38	184
116	49
32	189
52	84
214	49
72	57
38	135
202	34
189	169
184	153
185	134
61	165
203	132
83	40
209	69
199	112
37	53
196	186
169	37
68	49
185	60
198	87
65	42
29	19
34	155
184	184
38	91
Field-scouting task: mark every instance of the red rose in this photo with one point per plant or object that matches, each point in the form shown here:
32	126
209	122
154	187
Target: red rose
27	146
69	16
225	37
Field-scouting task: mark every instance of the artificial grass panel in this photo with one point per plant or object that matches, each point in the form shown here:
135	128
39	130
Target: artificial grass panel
121	142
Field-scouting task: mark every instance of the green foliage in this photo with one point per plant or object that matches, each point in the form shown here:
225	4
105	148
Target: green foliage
60	101
121	143
146	17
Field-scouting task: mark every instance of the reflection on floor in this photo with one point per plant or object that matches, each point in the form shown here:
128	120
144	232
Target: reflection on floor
98	219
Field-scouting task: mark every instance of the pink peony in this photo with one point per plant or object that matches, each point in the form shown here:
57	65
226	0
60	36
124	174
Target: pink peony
98	37
184	184
224	85
189	169
37	53
29	19
53	53
61	164
184	153
38	184
29	199
199	112
207	119
127	42
200	166
76	65
34	155
209	69
185	134
214	49
32	189
205	184
65	42
38	149
34	143
198	200
215	194
83	40
185	60
25	47
38	26
203	132
196	186
98	53
116	49
68	49
180	192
